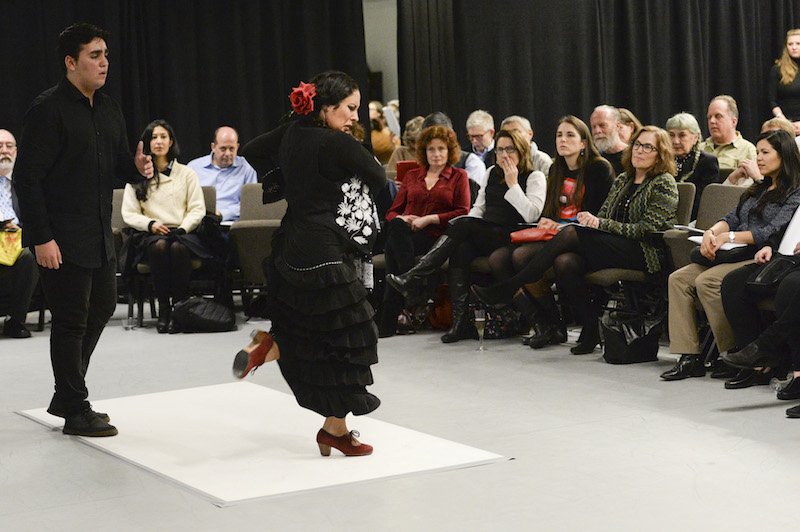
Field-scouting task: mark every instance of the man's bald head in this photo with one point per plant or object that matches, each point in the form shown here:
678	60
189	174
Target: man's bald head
224	146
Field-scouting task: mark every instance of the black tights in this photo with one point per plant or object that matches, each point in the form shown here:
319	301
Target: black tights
171	266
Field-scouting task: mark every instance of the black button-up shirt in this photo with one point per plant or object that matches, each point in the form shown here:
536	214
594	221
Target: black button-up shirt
69	153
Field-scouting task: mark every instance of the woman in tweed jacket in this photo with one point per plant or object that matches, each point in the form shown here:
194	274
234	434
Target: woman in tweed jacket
643	199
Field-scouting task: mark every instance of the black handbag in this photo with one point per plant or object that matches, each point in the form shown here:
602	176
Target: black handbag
198	314
765	280
723	256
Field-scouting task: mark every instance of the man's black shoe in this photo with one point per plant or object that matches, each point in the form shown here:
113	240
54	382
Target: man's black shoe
54	410
86	423
15	329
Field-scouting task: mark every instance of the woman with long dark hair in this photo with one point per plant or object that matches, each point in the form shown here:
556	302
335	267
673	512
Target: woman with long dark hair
319	269
165	211
579	180
642	199
764	209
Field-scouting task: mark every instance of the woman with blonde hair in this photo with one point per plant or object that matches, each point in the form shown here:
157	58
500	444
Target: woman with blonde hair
629	125
642	199
784	86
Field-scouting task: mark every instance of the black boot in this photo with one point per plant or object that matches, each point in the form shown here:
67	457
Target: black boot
687	366
428	264
164	314
549	326
526	306
390	310
463	327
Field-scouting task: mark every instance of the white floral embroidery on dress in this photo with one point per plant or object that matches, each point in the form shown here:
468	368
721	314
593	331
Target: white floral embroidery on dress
356	212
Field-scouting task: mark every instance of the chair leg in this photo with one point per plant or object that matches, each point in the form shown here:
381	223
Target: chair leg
40	326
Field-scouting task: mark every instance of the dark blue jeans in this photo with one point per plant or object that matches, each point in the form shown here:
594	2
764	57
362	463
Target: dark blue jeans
81	301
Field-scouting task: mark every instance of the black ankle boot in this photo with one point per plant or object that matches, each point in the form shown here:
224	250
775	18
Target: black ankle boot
550	328
687	366
164	314
428	264
588	339
463	327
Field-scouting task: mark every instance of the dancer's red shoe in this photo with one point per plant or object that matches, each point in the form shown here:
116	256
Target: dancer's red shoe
255	354
347	444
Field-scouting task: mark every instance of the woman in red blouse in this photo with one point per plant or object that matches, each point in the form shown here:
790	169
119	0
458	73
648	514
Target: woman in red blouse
429	197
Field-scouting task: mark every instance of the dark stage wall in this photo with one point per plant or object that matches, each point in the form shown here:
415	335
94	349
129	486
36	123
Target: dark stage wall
198	64
544	59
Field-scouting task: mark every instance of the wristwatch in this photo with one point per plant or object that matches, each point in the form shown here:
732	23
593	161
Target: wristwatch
731	237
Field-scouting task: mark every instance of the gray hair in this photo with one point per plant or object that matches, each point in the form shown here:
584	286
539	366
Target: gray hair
412	130
613	111
526	124
480	118
733	109
437	118
683	121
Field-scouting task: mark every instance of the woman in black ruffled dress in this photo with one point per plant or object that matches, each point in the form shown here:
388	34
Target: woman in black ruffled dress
319	271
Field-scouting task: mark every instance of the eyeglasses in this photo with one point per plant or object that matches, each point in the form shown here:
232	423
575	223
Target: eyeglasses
647	148
508	151
476	137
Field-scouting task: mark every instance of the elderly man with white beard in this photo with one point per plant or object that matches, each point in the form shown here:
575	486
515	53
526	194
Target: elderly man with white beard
17	281
605	123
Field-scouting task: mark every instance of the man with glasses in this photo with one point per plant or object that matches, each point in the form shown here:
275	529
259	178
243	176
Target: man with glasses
17	281
480	130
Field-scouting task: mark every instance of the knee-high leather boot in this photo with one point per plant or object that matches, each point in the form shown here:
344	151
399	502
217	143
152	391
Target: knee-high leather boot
428	264
462	328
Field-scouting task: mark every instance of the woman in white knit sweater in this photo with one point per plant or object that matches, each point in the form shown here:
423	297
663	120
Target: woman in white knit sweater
165	211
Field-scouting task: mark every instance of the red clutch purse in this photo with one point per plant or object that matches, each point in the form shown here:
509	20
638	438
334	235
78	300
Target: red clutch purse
533	234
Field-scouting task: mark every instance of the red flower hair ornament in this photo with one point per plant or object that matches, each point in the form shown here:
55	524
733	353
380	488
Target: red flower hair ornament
302	98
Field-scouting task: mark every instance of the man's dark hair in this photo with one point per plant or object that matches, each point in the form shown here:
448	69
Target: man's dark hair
73	38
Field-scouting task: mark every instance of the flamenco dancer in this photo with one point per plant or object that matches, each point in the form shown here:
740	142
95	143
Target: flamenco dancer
317	272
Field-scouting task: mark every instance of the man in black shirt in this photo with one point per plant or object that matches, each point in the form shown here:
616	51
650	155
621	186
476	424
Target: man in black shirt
73	144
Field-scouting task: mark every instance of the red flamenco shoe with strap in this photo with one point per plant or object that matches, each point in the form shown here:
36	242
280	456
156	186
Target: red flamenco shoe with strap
347	444
254	355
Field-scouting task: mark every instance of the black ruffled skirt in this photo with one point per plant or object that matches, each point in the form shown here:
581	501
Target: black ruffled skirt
322	323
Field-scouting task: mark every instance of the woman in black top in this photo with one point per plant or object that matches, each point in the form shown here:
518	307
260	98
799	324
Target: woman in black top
317	273
694	166
784	85
579	180
513	193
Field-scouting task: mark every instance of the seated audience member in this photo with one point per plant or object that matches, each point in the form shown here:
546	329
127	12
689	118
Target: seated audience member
694	166
480	130
763	210
470	162
17	281
406	152
628	125
724	141
579	180
513	193
165	211
395	106
225	171
763	344
780	123
747	172
606	124
642	199
383	140
429	197
540	160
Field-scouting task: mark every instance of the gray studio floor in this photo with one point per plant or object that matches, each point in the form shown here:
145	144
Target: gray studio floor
595	447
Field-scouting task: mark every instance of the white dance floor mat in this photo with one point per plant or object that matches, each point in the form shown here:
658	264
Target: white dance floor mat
240	441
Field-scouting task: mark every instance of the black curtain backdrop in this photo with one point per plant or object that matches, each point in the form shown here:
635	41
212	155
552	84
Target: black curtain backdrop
198	64
543	59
